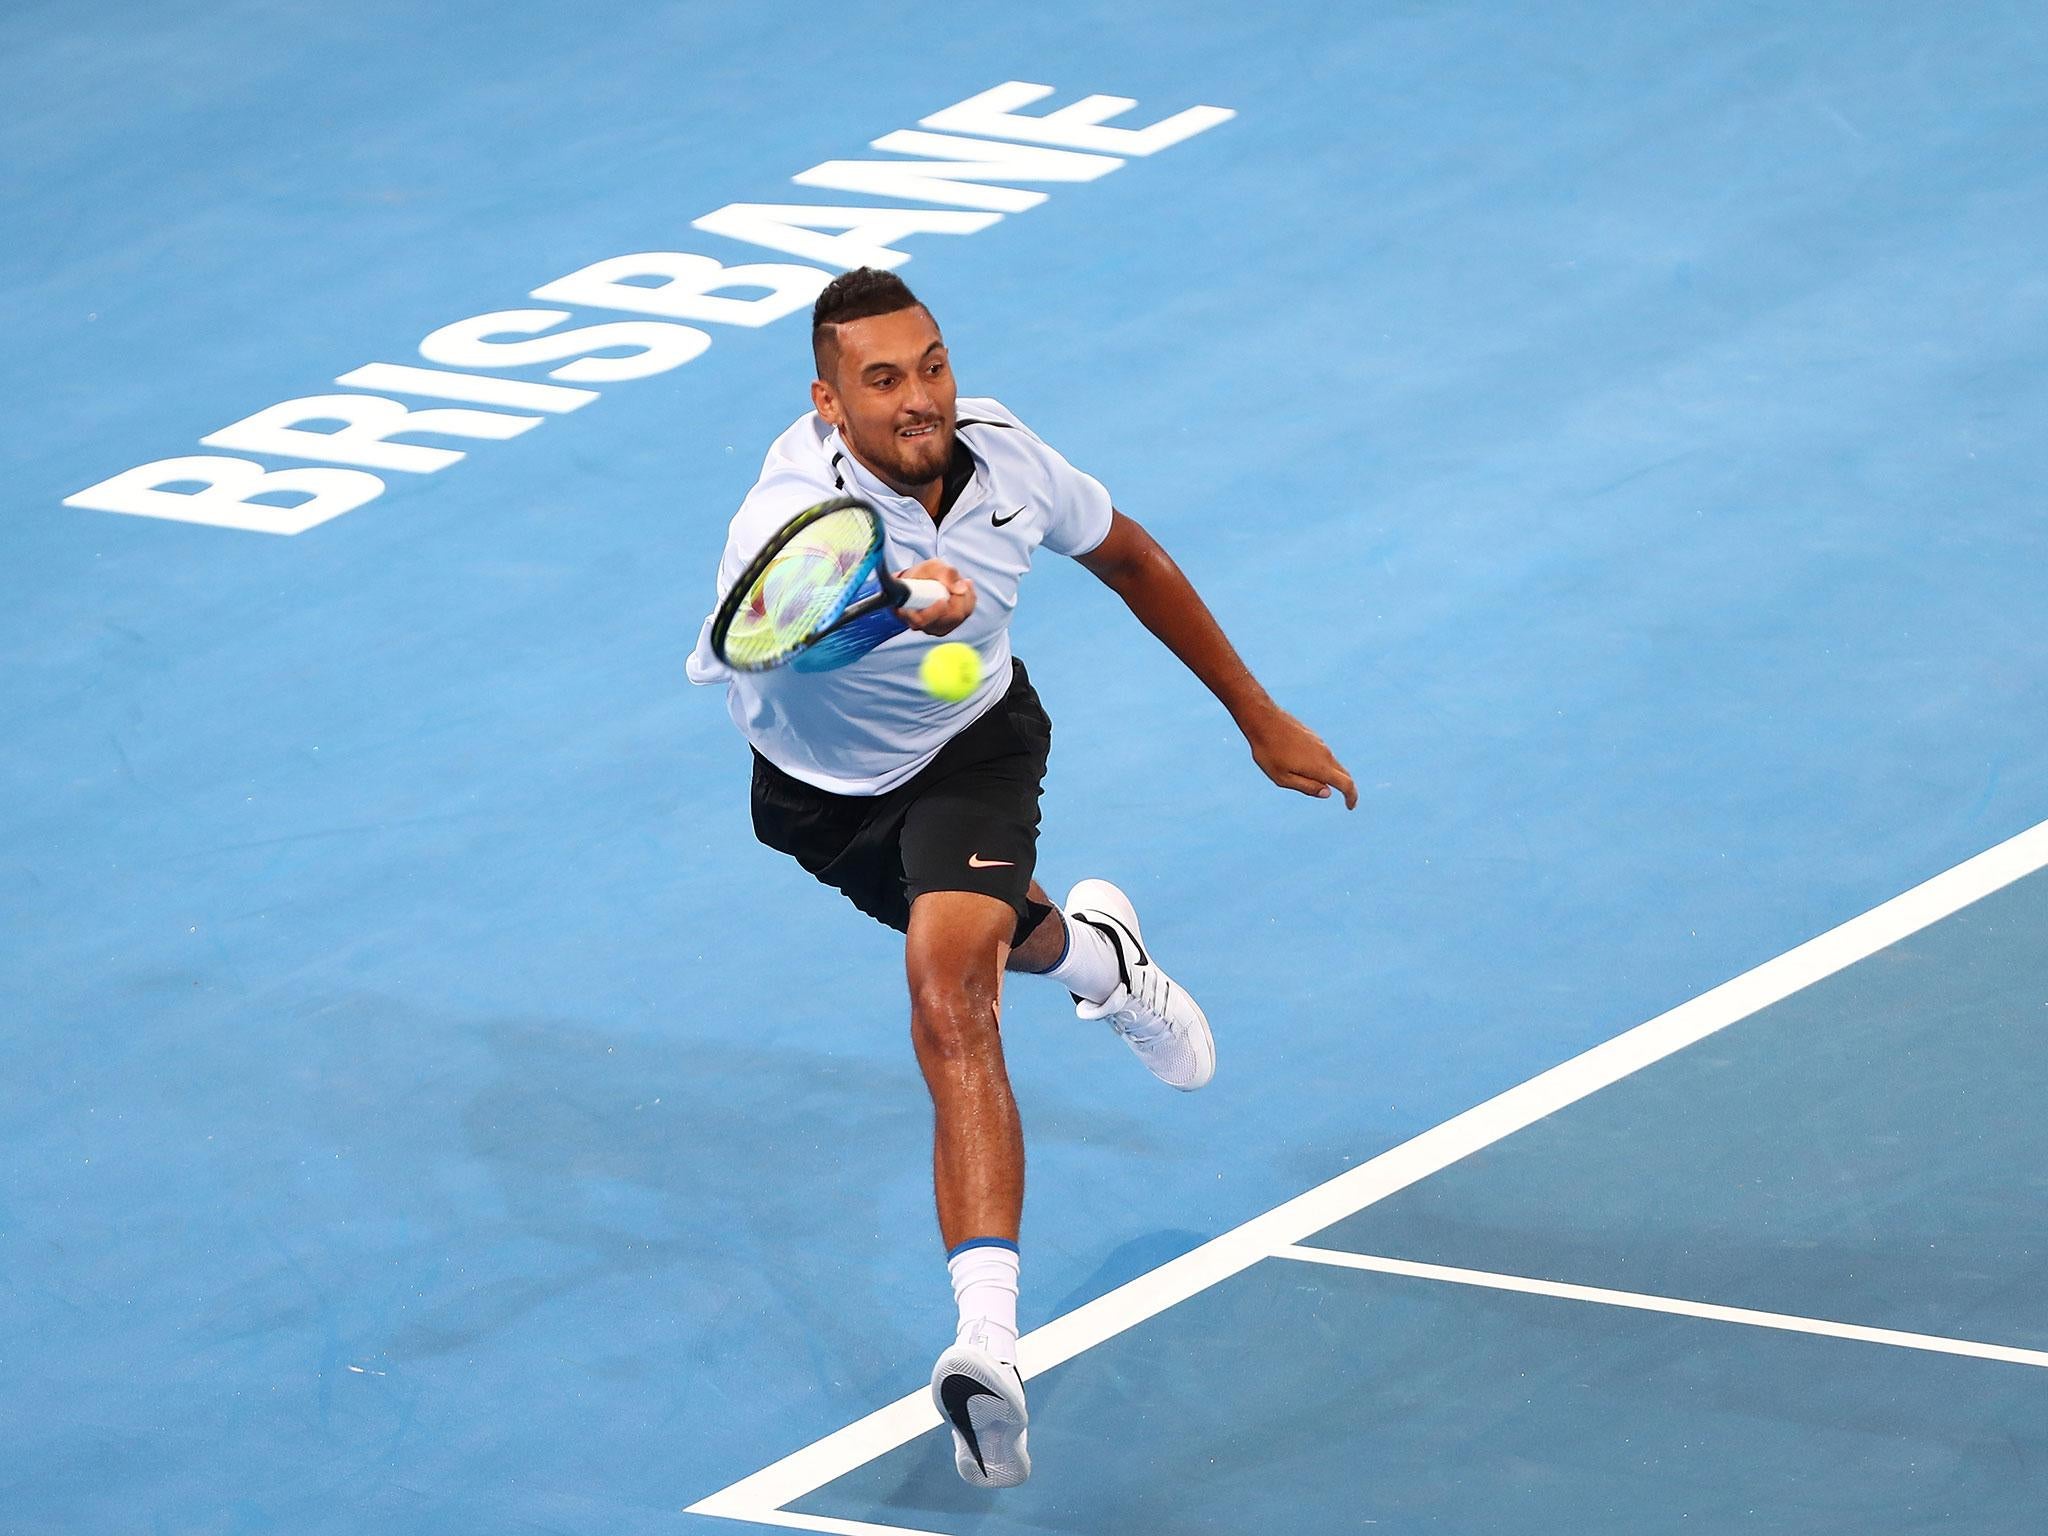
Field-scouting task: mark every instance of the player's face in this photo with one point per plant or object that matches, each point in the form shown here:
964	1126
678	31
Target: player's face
891	396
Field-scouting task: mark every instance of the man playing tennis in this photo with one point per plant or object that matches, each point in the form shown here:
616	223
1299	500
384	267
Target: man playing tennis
925	813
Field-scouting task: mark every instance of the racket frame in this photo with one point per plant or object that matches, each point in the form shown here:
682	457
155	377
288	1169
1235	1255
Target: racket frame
893	593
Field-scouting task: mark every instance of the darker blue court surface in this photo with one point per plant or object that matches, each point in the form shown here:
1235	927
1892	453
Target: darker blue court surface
424	1107
1870	1150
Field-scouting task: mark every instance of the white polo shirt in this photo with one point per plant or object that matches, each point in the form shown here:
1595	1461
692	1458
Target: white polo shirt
864	728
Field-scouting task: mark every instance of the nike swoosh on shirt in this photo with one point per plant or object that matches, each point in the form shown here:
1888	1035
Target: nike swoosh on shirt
997	522
976	861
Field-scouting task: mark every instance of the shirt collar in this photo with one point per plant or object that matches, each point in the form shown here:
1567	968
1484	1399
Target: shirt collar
856	479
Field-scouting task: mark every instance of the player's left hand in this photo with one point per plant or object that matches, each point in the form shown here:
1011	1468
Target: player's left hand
1295	757
940	618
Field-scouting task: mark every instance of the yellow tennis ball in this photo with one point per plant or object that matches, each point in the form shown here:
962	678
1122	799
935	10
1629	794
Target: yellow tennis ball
951	671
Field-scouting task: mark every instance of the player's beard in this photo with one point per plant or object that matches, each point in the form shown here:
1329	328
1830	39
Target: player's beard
911	461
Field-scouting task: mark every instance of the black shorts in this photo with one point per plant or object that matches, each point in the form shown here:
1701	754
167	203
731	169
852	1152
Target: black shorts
967	821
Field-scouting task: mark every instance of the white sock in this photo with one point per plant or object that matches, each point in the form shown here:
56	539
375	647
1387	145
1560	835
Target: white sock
1089	967
985	1287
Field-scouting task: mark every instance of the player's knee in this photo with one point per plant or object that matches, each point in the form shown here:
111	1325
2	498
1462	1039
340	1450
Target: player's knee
953	1017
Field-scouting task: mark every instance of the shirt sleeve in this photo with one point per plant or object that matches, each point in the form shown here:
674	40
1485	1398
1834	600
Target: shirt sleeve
1077	506
1079	509
703	667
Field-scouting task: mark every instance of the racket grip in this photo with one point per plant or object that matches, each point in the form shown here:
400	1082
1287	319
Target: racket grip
920	593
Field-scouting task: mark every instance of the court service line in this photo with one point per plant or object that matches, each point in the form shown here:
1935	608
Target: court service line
763	1494
1671	1305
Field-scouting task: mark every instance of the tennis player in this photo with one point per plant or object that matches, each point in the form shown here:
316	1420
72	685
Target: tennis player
925	813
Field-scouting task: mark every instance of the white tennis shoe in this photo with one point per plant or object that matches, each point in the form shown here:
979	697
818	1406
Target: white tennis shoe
1155	1016
982	1401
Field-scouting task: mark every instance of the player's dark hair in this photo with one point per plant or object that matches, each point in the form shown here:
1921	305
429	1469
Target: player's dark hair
860	294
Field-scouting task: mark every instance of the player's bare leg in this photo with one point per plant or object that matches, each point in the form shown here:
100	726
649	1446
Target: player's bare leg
958	941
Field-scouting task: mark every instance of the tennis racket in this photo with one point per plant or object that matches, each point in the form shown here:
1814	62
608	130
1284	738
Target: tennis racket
806	584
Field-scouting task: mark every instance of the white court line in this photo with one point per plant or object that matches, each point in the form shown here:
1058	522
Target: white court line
1637	1301
826	1523
761	1496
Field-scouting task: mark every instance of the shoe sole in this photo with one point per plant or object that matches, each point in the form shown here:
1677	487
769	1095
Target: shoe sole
1088	895
967	1385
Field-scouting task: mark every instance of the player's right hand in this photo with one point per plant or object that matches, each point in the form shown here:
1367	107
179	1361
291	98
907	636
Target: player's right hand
940	618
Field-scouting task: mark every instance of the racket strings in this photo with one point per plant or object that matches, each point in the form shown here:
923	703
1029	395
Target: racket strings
804	589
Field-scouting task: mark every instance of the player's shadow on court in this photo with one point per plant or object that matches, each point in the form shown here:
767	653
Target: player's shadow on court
560	1157
616	1155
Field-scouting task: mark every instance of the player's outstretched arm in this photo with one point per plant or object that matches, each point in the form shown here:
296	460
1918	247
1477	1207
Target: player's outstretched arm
1132	564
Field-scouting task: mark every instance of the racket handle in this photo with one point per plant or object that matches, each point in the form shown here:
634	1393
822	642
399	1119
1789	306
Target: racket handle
920	593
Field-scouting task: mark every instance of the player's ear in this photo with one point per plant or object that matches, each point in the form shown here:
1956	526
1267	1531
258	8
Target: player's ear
826	403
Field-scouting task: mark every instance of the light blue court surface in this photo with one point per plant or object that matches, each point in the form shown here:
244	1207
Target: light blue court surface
1617	430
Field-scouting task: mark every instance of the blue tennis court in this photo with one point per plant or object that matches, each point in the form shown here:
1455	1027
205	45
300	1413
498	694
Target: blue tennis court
428	1109
1606	1320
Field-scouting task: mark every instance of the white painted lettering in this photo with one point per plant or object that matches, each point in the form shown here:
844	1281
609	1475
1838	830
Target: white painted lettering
795	227
225	493
994	114
689	287
367	423
657	346
478	388
963	160
985	143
